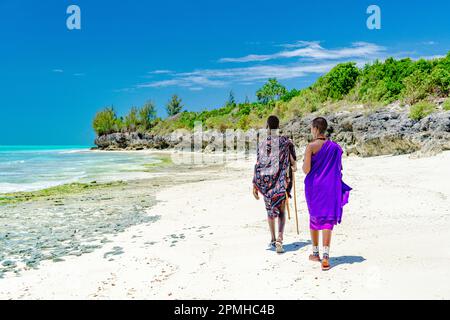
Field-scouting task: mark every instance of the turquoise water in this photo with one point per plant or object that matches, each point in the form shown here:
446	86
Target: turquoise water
30	168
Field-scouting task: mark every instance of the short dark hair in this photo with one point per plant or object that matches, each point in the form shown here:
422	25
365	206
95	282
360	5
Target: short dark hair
321	124
273	123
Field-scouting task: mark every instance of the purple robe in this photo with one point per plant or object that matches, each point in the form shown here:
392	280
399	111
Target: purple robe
326	193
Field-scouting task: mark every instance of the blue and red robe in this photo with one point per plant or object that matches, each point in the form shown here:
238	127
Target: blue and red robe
272	172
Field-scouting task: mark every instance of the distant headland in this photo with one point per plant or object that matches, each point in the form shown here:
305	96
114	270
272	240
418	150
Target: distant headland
385	107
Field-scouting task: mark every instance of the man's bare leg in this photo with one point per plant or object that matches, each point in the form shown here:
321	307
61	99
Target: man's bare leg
315	243
281	223
271	222
326	238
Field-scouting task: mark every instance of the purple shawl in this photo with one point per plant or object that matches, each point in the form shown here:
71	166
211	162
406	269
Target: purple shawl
326	193
271	169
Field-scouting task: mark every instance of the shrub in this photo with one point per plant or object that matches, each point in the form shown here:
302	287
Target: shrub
440	80
220	123
308	101
105	121
421	109
417	87
338	82
290	94
147	116
131	120
446	105
244	109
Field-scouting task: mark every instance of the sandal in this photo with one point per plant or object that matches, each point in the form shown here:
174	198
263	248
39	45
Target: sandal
314	257
279	247
326	264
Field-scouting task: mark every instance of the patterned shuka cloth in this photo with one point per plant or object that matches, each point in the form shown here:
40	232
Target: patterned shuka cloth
272	172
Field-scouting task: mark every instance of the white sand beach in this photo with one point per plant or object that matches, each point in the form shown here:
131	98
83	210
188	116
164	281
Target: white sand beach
211	242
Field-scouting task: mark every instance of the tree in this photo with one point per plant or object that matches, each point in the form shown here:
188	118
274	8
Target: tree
131	120
147	115
290	94
231	100
105	121
174	106
271	91
338	82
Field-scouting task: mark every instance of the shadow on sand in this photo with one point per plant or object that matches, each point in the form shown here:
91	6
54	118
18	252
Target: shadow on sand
294	246
336	261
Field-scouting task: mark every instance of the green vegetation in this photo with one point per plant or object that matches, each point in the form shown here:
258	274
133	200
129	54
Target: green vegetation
174	106
164	162
270	92
147	115
375	84
105	122
138	119
446	105
231	100
421	110
336	84
57	191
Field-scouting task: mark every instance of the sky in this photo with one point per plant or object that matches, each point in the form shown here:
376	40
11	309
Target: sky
53	80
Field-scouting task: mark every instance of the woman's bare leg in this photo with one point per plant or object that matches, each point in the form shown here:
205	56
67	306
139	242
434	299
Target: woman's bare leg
315	237
315	243
326	238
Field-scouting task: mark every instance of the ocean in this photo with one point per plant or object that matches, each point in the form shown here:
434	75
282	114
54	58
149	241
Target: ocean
31	168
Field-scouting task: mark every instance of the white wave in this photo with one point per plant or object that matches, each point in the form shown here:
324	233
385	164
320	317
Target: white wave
34	186
41	171
73	151
13	162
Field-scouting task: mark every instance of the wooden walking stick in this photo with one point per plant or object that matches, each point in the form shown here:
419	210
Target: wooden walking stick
287	200
295	202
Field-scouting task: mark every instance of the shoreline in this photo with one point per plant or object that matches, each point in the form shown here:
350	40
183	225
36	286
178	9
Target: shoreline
74	219
211	236
35	170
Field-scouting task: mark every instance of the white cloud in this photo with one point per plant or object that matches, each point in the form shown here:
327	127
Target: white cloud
189	80
313	50
299	44
160	72
316	60
217	78
162	83
125	90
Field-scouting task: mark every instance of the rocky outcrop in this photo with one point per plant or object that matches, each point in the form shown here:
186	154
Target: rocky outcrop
132	141
385	131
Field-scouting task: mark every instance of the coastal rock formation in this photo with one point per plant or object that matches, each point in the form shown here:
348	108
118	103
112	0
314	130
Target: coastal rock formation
385	131
132	141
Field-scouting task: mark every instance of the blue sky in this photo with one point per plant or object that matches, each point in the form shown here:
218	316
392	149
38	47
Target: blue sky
52	80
